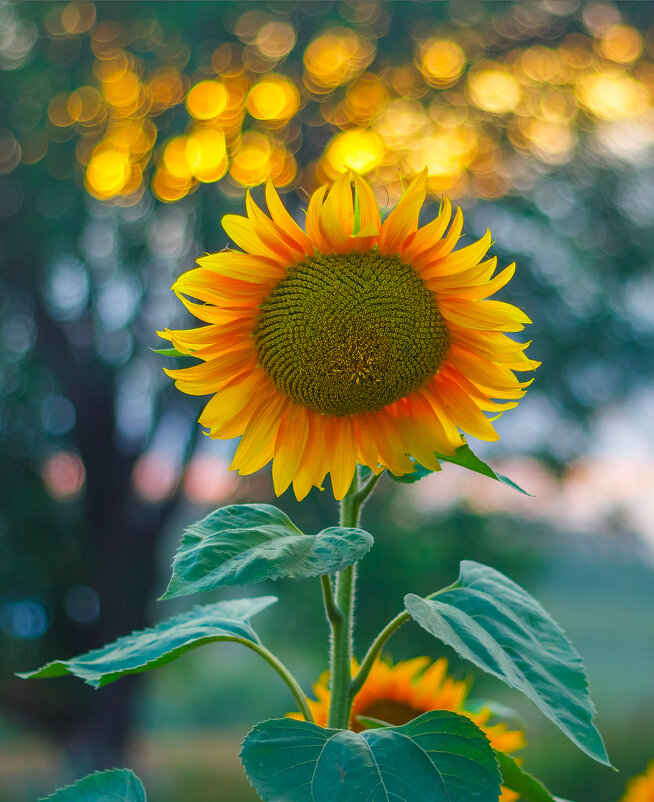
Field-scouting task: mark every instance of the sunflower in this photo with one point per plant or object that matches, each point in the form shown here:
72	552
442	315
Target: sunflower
641	789
401	692
355	342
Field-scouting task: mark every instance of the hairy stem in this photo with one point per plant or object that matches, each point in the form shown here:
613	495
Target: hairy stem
341	648
374	650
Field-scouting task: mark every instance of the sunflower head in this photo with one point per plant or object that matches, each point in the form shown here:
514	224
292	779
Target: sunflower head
357	341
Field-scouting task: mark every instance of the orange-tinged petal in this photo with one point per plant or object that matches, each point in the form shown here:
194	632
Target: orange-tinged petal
283	219
393	450
204	285
289	446
310	471
417	442
258	441
463	411
403	220
441	439
207	377
344	457
483	315
452	436
368	451
481	399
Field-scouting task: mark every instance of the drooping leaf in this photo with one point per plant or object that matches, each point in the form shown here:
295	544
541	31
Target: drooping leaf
168	352
498	626
254	542
114	785
438	757
523	783
158	645
464	457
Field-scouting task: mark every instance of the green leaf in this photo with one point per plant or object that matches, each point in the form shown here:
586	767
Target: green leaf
168	352
438	757
498	626
115	785
464	457
518	780
158	645
246	543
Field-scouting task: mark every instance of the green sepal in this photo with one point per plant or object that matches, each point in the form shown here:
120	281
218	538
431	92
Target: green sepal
246	543
438	757
491	621
121	785
523	783
158	645
169	352
464	457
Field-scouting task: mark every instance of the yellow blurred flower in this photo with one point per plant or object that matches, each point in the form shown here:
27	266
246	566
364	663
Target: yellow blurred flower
641	789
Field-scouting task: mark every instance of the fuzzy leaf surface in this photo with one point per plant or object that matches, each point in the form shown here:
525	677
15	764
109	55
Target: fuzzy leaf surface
491	621
114	785
438	757
246	543
158	645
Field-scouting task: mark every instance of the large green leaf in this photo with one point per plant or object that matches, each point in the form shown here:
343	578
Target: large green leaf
168	640
498	626
438	757
518	780
115	785
464	457
253	542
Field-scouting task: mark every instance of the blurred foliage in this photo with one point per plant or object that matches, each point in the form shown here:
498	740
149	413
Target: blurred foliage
126	131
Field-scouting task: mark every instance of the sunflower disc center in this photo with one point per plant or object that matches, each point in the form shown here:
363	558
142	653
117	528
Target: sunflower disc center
348	333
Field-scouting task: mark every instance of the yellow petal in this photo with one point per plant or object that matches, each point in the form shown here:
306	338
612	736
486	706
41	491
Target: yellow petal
314	229
486	289
427	237
242	231
437	281
337	216
483	315
403	220
242	266
283	219
269	233
370	219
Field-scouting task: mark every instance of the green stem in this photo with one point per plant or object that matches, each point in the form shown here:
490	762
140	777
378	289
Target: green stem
333	613
283	672
374	650
378	644
341	650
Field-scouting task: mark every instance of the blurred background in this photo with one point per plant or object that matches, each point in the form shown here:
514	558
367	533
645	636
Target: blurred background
126	131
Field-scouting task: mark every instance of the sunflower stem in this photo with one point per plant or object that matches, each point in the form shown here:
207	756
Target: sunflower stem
374	650
284	673
341	644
